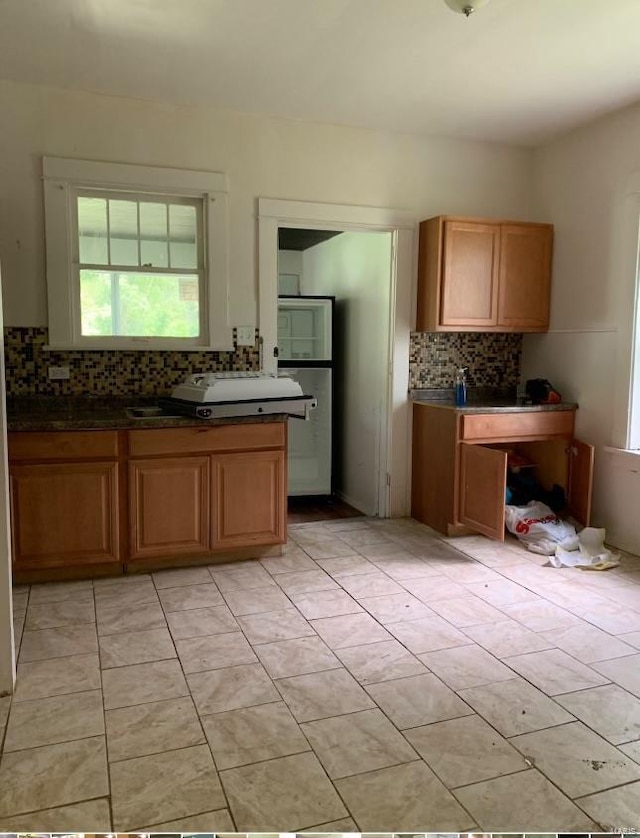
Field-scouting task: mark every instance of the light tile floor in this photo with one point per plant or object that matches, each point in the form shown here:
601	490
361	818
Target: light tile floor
375	677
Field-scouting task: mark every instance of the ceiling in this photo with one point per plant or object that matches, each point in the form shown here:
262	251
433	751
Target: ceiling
517	71
295	238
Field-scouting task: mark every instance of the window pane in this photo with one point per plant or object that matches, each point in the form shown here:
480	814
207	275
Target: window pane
92	230
153	235
183	227
95	303
139	305
123	232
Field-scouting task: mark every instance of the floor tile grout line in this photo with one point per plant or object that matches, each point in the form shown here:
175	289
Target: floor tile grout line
169	750
299	723
539	596
57	742
518	675
474	643
104	723
603	791
195	707
49	808
515	673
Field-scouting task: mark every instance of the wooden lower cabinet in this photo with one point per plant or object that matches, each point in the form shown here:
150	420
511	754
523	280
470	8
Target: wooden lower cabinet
64	514
190	506
169	503
483	478
191	491
460	465
249	499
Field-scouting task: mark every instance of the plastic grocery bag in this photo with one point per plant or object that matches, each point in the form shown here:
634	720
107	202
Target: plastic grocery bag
540	529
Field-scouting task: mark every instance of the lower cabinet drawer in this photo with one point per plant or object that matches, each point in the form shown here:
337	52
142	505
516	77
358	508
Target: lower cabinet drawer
62	445
518	426
249	436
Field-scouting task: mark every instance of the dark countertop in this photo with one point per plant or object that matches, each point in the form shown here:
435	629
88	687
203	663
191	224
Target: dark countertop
52	413
484	400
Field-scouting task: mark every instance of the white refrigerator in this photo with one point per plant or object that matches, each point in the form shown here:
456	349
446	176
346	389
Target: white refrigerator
305	352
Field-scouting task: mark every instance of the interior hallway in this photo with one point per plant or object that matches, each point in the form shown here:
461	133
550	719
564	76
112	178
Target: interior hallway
372	678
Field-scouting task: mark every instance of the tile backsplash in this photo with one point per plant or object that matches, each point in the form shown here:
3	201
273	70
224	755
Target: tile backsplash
492	359
109	372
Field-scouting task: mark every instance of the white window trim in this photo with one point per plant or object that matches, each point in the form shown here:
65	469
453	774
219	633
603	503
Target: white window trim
62	177
625	437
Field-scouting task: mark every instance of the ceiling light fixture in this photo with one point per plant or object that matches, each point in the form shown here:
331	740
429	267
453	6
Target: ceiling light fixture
466	7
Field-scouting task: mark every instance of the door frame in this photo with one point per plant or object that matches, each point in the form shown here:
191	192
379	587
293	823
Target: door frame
394	448
7	644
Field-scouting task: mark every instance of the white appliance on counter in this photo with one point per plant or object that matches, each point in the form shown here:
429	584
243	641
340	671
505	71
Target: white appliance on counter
215	395
305	353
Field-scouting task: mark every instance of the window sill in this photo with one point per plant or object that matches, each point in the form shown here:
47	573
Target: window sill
628	456
135	346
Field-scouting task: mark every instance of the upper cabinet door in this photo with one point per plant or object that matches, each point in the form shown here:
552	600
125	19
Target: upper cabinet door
470	269
483	481
525	276
579	491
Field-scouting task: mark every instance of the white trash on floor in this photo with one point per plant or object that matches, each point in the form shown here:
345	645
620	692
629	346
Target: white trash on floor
543	532
590	555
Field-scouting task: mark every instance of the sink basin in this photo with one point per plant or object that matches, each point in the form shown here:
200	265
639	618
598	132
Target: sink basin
150	412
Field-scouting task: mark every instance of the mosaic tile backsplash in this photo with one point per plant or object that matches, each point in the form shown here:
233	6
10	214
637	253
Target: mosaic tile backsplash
492	360
109	372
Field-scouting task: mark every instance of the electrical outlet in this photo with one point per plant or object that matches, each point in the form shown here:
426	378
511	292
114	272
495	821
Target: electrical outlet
245	335
59	373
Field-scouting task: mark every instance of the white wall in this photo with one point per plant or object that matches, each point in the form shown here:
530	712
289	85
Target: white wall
289	262
584	185
263	157
355	268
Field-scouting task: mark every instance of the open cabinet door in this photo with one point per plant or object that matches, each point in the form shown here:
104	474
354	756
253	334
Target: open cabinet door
483	481
580	483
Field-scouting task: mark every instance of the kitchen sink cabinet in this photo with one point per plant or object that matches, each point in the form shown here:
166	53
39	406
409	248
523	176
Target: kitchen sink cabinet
231	495
483	276
192	493
460	465
169	507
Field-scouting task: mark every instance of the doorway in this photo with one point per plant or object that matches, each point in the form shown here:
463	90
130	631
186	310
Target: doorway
333	339
385	486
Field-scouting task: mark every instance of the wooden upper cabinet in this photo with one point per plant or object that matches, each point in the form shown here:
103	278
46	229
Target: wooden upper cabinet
469	295
483	276
64	514
249	499
525	276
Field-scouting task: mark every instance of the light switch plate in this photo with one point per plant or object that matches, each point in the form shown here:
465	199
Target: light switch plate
59	373
245	335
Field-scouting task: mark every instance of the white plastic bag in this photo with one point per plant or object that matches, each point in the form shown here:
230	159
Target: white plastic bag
590	554
540	529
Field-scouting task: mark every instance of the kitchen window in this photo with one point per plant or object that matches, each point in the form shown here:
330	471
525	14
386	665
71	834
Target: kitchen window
136	257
